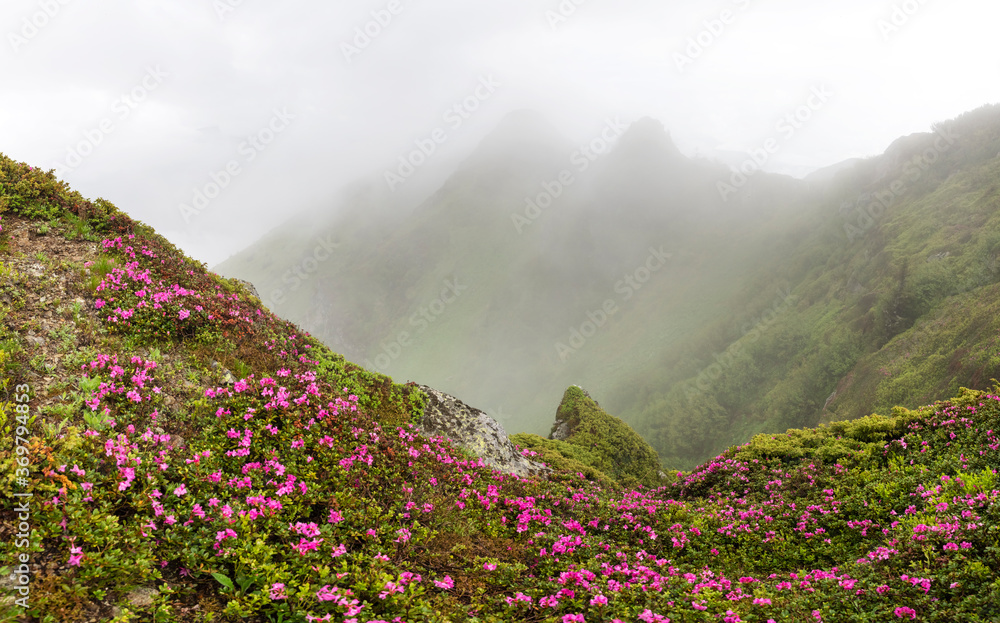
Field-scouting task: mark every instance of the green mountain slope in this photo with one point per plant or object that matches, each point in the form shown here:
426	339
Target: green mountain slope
890	304
179	453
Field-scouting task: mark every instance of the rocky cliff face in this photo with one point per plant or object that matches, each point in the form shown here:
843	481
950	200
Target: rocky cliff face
475	431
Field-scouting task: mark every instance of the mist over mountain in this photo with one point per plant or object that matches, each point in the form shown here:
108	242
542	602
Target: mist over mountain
701	303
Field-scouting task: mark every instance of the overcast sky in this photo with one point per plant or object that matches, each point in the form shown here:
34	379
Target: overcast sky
145	102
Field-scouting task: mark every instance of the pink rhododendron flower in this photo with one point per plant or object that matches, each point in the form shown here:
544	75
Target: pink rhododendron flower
407	577
304	546
278	591
325	594
305	529
519	597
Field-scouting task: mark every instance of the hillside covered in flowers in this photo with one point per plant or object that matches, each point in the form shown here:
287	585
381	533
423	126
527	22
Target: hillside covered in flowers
175	452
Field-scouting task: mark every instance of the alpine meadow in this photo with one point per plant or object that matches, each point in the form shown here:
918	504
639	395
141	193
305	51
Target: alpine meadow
528	311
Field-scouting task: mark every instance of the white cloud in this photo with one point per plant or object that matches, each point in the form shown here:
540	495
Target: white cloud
226	76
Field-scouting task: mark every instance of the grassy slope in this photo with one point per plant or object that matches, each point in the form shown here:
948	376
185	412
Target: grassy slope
924	362
274	498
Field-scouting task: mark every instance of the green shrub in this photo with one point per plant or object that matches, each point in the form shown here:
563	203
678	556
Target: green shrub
562	457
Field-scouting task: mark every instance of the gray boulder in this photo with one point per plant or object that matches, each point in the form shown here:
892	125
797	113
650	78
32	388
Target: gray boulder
476	432
560	431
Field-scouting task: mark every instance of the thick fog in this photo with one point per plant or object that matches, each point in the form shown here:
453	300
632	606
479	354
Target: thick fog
215	120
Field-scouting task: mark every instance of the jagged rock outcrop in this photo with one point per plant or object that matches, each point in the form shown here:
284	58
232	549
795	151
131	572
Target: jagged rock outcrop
560	431
475	431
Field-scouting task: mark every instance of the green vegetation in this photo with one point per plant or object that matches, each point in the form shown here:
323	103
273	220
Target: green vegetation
204	460
562	457
593	444
612	447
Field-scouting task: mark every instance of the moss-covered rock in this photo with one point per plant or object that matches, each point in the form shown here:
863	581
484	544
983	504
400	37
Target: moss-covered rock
611	446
